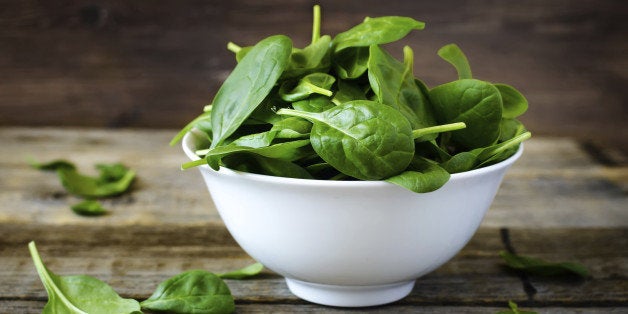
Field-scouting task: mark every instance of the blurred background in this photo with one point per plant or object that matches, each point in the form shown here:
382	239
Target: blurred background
155	64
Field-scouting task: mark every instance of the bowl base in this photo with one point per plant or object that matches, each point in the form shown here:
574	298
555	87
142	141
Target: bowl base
349	296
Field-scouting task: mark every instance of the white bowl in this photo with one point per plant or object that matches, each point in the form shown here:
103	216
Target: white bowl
350	243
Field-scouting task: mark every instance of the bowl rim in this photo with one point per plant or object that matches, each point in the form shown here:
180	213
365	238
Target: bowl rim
223	171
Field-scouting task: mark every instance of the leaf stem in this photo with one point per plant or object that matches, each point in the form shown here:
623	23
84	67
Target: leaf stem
316	23
233	47
193	164
417	134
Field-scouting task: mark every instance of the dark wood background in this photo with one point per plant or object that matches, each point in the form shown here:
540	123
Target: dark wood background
154	64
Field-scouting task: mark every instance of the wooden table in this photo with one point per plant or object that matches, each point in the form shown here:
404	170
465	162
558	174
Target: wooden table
562	201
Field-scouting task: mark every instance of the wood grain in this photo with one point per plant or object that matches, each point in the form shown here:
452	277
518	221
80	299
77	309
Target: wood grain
110	63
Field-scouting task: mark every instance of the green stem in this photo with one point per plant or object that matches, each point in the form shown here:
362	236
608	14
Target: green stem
316	24
511	142
233	47
416	134
193	164
296	113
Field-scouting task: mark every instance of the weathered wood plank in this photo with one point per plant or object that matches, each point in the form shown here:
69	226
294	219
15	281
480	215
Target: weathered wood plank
155	63
555	184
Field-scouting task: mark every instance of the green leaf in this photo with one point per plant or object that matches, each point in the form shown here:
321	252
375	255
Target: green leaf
393	84
79	294
347	91
52	165
194	291
248	85
476	103
89	208
242	273
538	266
315	83
514	103
292	128
421	176
452	54
91	187
254	163
314	103
515	310
351	63
203	117
362	139
375	31
314	58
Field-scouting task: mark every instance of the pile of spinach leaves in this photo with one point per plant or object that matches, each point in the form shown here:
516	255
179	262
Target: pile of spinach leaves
344	108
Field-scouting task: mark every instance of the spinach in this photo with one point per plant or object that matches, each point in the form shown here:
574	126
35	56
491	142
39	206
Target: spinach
514	309
343	108
79	294
361	139
194	291
541	267
89	208
248	84
242	273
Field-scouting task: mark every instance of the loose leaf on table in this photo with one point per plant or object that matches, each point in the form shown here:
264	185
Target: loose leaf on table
52	165
361	138
476	103
194	291
421	176
541	267
79	294
248	85
242	273
89	208
514	309
452	54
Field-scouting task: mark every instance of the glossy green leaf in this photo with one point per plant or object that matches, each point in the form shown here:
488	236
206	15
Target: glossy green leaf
314	103
362	139
292	128
89	208
375	31
315	83
314	58
452	54
514	103
421	176
248	85
476	103
194	291
245	272
79	294
347	91
254	163
351	63
393	84
541	267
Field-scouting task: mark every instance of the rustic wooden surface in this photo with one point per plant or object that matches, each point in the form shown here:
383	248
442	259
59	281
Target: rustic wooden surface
558	202
145	63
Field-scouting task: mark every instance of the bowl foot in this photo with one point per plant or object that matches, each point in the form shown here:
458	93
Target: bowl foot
349	296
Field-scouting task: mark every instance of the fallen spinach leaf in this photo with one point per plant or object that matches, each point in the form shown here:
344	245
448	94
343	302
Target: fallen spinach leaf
194	291
79	294
514	309
540	267
89	208
242	273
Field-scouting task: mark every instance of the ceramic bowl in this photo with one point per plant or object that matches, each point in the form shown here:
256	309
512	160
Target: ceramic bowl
350	243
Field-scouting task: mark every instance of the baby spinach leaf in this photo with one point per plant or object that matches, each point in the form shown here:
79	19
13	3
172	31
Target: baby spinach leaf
375	31
245	272
314	58
510	128
194	291
515	310
248	85
393	83
254	163
52	165
351	63
515	104
452	54
314	103
361	138
421	176
292	128
346	91
79	294
203	117
541	267
94	187
476	103
89	208
315	83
